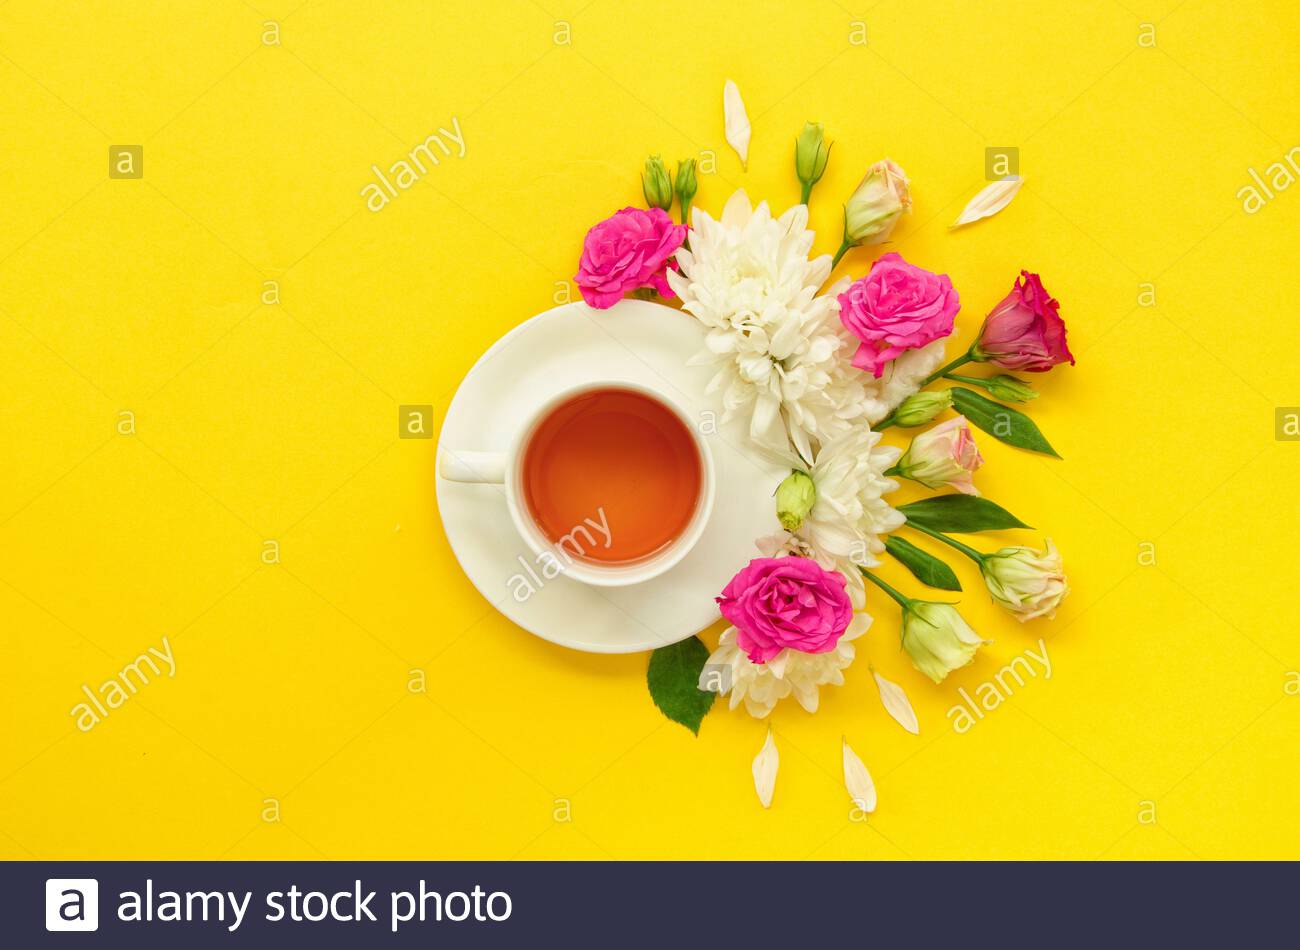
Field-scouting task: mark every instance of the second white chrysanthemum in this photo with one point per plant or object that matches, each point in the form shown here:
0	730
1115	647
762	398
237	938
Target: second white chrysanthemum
760	686
850	512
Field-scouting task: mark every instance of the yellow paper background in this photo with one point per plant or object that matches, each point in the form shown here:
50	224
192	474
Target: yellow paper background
1166	730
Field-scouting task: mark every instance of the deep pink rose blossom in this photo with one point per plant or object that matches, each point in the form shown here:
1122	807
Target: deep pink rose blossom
625	252
1024	331
780	602
897	307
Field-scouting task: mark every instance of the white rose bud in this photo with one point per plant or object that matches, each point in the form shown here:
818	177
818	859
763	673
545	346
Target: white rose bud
937	638
1027	583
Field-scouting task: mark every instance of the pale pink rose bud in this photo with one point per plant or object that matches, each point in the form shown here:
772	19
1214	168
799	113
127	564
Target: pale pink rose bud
874	208
944	455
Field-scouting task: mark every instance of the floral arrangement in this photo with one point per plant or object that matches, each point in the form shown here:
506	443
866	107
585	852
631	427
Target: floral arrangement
819	372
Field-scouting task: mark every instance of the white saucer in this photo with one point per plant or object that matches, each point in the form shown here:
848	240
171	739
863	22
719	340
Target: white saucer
634	340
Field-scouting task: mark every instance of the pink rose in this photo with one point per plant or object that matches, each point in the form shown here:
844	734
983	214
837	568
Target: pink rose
896	307
625	252
1024	331
780	602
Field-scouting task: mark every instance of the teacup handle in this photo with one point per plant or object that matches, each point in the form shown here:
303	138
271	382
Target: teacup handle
473	467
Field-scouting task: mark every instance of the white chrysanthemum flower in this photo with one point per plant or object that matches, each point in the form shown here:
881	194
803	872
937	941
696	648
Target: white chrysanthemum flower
850	513
781	354
760	686
902	377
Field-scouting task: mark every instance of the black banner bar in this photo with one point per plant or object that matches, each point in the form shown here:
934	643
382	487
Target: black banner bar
639	904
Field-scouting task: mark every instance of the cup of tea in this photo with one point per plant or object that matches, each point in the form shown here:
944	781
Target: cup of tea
610	478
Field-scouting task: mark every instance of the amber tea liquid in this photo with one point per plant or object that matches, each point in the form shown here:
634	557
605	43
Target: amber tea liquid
620	458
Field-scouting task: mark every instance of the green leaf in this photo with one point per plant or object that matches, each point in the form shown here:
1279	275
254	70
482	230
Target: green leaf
962	514
674	677
1002	422
925	567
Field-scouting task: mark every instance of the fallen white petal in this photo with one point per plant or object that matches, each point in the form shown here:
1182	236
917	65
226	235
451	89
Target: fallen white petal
991	199
897	704
737	121
858	781
765	765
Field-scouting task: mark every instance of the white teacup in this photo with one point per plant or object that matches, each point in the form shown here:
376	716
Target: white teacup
506	469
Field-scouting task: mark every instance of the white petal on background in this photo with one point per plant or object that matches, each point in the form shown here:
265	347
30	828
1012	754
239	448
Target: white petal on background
858	781
737	121
991	199
765	765
897	704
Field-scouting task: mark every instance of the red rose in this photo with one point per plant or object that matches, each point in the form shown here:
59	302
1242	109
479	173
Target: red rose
1024	331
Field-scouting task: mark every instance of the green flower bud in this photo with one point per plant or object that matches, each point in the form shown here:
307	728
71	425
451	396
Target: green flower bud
686	187
919	408
1009	389
656	184
811	151
795	497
